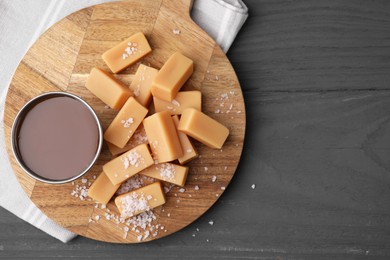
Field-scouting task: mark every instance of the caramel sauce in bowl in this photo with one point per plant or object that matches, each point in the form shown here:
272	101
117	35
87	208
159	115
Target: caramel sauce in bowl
56	137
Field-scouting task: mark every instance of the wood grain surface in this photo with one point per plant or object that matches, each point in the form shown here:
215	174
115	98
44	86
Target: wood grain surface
62	58
315	77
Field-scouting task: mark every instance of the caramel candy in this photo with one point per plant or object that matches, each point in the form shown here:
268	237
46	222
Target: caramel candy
125	123
172	76
139	137
189	151
127	52
107	88
142	83
183	100
162	137
168	172
203	128
140	200
102	189
128	164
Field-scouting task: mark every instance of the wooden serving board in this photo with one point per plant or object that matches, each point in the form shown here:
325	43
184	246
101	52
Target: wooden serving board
61	60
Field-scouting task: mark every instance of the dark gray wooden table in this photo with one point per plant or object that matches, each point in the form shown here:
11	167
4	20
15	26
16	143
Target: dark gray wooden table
315	76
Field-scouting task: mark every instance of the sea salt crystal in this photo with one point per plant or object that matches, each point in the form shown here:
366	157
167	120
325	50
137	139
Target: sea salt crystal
211	222
97	217
253	186
182	190
223	188
196	187
206	169
189	150
176	103
83	180
127	122
176	31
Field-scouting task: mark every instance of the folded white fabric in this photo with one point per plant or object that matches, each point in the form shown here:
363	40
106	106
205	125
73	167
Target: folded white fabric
22	22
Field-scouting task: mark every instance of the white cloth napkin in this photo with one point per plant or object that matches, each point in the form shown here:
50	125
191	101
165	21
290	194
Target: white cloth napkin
23	21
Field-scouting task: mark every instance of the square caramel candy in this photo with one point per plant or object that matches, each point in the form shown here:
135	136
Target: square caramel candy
169	172
143	199
203	128
107	88
162	137
127	52
102	189
139	137
183	100
128	164
125	123
172	76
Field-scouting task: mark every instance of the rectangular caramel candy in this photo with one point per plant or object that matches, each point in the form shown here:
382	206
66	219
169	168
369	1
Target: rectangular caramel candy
125	123
107	88
139	137
168	172
162	137
183	100
102	189
172	76
127	52
189	151
128	164
142	83
140	200
203	128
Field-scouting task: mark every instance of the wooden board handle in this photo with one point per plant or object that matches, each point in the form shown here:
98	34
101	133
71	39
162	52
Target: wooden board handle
187	5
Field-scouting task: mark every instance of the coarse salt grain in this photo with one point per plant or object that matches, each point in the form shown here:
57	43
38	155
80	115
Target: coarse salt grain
176	31
189	150
83	180
196	187
211	222
182	190
175	103
206	169
253	186
223	188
